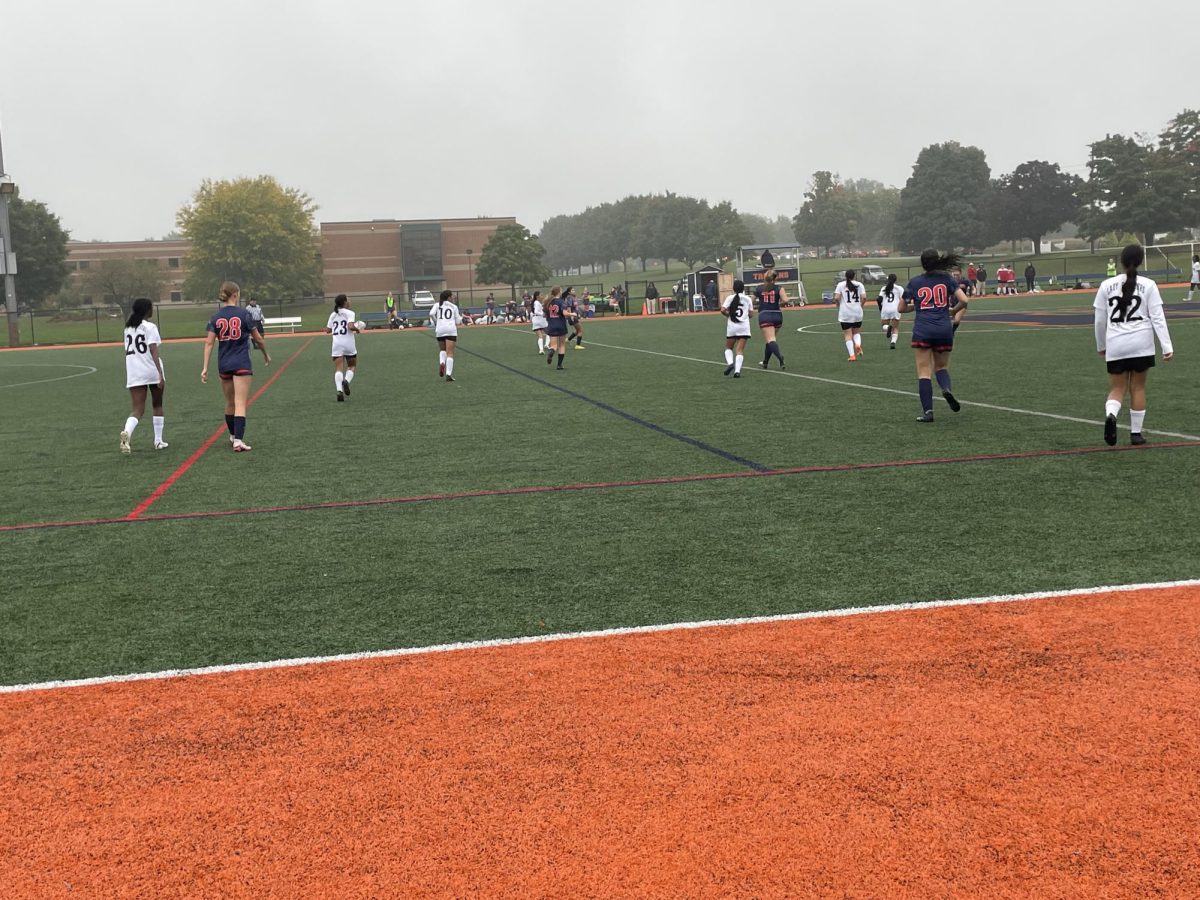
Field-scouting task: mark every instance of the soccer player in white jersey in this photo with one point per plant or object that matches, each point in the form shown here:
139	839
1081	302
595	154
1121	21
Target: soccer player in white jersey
849	296
737	310
889	309
143	371
1194	285
446	319
345	349
1129	314
537	318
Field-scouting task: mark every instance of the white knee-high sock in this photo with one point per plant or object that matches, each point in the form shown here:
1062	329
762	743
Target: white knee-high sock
858	340
1112	407
850	348
728	357
449	366
442	357
349	375
338	377
1137	418
130	424
737	362
158	429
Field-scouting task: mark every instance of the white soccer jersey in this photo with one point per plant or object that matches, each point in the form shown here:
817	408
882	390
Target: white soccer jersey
1196	273
446	319
850	301
537	316
890	307
1129	332
139	364
740	308
339	324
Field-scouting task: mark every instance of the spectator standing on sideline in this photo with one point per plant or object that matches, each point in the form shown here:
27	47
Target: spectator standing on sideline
1030	276
256	313
981	280
651	297
710	294
389	304
1112	268
490	306
971	278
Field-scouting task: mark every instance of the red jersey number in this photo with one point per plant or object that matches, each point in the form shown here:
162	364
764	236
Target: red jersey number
929	297
229	329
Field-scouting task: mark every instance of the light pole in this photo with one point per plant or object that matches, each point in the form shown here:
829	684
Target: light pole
470	275
8	256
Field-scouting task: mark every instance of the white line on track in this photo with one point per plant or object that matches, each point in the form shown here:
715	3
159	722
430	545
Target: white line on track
579	635
91	370
887	390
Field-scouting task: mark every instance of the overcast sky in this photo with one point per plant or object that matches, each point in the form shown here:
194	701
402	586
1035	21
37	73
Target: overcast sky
113	111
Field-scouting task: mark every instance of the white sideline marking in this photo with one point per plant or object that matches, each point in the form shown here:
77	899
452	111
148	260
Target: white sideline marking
887	390
579	635
91	370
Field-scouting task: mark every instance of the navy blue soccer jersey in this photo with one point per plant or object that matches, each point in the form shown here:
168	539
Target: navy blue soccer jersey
932	295
556	322
768	300
232	326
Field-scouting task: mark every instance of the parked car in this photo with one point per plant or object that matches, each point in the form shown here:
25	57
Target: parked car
872	275
423	299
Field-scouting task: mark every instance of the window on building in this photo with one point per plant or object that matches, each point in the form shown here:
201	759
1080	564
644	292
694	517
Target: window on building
421	250
87	300
84	264
176	296
172	262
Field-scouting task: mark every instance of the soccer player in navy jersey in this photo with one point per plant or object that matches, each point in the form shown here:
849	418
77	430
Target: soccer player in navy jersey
768	299
936	297
232	329
556	327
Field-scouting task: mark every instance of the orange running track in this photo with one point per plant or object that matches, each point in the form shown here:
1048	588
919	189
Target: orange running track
1045	748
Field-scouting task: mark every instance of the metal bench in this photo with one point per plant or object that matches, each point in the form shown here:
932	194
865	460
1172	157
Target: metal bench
281	322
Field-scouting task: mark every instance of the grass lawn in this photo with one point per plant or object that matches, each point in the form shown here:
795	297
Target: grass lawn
688	512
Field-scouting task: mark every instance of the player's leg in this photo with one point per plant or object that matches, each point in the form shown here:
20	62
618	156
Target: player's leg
351	364
227	392
768	333
339	378
579	333
895	323
739	356
137	403
449	344
941	372
729	345
560	348
848	340
441	357
156	403
924	358
241	399
856	336
1118	382
1137	405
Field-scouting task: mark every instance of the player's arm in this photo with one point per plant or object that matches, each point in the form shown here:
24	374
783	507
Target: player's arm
960	302
261	343
157	362
1101	324
1158	318
209	340
905	305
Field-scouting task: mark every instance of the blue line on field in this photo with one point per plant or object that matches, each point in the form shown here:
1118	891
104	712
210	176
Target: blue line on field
629	417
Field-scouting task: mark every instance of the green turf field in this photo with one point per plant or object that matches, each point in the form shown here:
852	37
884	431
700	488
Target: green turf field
646	401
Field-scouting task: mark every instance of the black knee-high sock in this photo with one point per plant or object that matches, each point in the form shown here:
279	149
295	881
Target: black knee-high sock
229	423
560	359
239	427
767	353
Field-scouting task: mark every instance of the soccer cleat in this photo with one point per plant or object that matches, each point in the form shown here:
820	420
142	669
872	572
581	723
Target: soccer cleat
1110	430
559	368
1136	439
737	374
762	365
893	346
441	370
241	446
580	347
852	359
782	367
125	448
927	416
346	387
341	397
550	358
951	401
449	377
729	369
161	445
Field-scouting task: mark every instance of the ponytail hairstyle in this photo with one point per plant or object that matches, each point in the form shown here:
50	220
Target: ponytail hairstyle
890	286
851	290
229	290
340	302
143	308
444	296
1196	258
536	298
932	261
739	286
769	277
1131	257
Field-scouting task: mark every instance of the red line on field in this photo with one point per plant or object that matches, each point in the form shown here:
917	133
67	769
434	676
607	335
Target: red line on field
157	493
592	486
